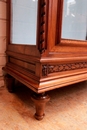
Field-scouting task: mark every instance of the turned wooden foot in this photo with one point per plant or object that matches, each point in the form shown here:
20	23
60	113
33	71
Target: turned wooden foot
40	101
10	83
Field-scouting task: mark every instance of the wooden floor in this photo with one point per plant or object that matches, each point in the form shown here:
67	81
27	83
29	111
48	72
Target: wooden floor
67	109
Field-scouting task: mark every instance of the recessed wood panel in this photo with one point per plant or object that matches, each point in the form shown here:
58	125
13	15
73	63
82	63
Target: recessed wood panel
27	65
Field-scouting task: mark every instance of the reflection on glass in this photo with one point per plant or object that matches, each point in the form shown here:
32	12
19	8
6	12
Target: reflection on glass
24	21
74	24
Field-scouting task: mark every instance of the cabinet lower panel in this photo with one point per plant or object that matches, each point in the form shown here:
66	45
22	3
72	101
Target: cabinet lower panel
47	83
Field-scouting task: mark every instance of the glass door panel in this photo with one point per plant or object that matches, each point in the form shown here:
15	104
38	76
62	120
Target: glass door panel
24	21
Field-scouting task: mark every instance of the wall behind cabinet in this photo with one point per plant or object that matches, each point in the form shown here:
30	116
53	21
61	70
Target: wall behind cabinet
2	38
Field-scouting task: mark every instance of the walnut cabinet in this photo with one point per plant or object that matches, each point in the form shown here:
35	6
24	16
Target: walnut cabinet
55	55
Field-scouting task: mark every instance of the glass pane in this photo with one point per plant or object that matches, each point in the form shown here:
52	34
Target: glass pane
74	24
23	21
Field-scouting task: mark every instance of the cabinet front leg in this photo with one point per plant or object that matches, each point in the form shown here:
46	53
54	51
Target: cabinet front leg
40	101
10	83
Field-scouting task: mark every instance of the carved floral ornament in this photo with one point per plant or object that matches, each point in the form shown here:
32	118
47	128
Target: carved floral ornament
47	68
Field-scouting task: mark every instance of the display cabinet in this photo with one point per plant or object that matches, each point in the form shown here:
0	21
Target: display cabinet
46	46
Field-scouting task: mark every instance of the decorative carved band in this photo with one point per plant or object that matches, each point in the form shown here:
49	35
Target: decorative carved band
44	70
43	25
47	69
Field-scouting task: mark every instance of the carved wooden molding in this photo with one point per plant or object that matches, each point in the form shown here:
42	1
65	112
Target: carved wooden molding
43	24
47	69
44	70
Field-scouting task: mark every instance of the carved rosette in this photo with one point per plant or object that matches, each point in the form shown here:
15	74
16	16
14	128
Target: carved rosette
43	23
48	69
